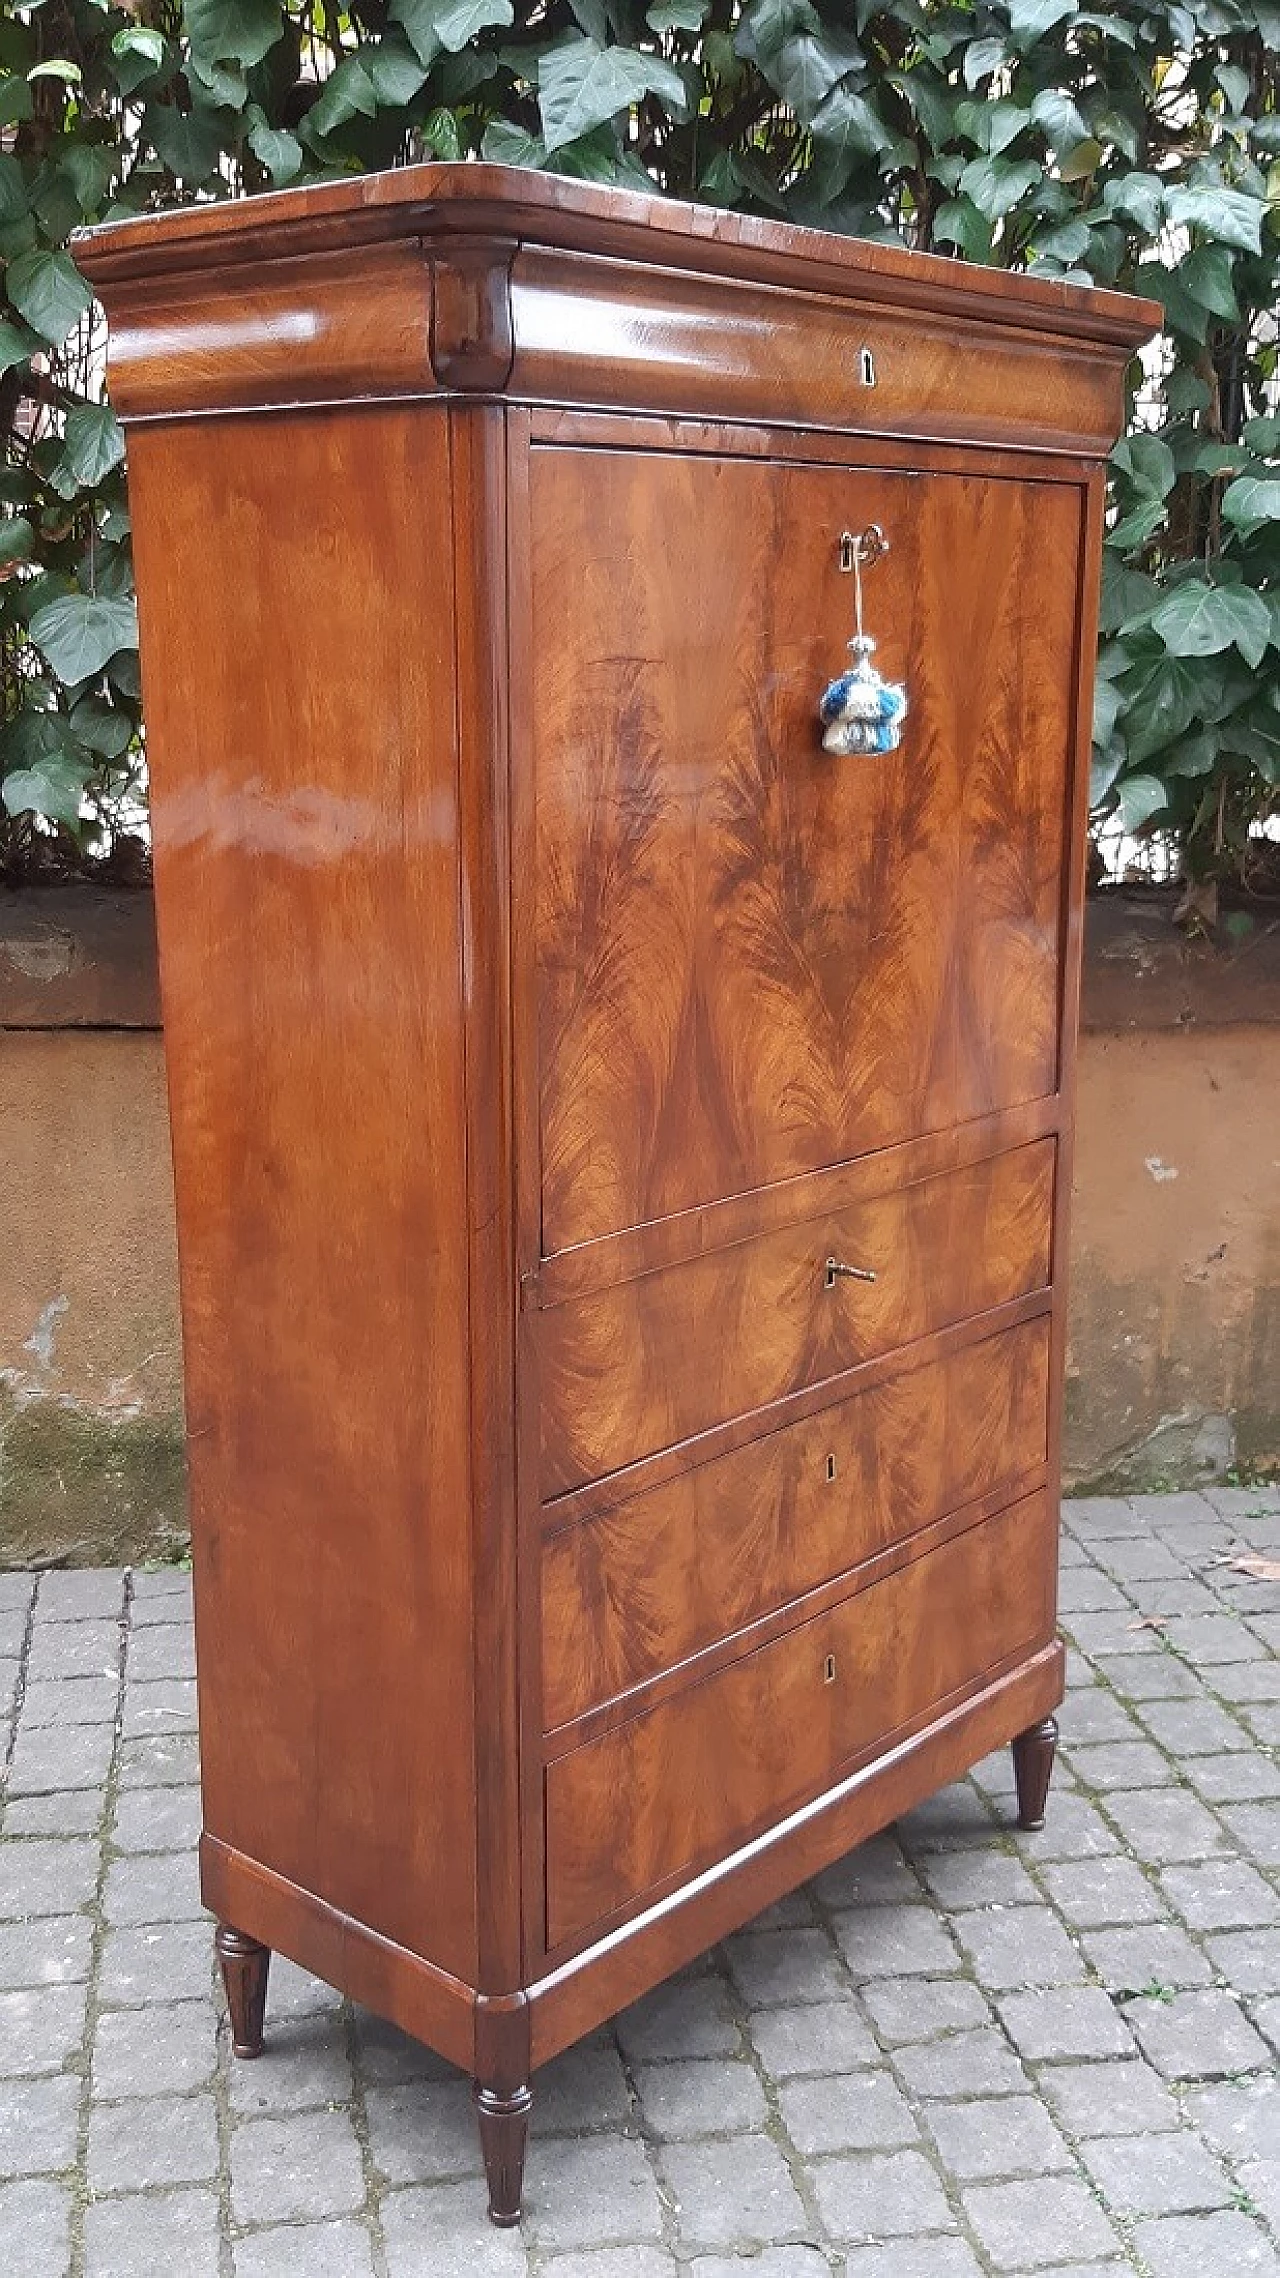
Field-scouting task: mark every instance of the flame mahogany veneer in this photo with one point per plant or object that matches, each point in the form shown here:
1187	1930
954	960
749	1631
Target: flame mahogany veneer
578	1566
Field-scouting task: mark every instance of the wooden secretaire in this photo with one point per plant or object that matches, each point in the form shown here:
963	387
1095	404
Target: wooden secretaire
621	1097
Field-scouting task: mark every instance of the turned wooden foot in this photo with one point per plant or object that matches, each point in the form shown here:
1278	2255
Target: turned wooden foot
1033	1752
504	2132
244	1974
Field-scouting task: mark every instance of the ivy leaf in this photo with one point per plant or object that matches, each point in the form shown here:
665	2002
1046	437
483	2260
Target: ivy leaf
417	19
139	40
17	538
53	787
1029	20
94	443
17	345
458	21
996	186
1141	797
13	191
1108	704
1206	273
276	149
347	94
57	67
189	142
1251	501
804	73
1228	215
846	128
677	15
1056	113
48	289
581	85
1261	435
394	71
79	633
981	58
233	31
958	222
1198	620
1138	198
1160	704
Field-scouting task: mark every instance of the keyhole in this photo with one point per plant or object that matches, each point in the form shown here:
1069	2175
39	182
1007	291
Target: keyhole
867	368
829	1670
831	1467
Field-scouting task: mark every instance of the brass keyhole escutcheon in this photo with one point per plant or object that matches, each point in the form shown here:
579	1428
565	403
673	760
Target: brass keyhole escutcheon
831	1467
829	1670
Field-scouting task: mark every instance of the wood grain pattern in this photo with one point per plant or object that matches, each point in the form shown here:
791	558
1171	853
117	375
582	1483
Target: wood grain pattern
755	959
306	854
659	1360
693	1778
637	1591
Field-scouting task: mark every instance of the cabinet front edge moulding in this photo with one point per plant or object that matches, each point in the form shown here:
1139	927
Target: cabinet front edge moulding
479	287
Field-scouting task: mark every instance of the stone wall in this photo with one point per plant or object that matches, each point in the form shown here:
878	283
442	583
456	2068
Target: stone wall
1174	1371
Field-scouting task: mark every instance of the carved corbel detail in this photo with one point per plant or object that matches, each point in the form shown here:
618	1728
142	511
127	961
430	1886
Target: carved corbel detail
472	343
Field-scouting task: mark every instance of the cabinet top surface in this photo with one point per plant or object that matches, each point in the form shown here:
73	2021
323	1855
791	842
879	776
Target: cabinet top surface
438	203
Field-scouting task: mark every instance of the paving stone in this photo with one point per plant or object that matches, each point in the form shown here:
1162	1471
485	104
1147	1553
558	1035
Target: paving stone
860	2111
876	1874
909	2009
708	2096
16	1587
384	2053
164	2140
139	2237
80	1594
294	1992
70	1700
161	1760
160	1961
1072	2021
955	1815
689	2017
46	1877
1241	2118
1121	2098
1197	2036
304	2063
1248	1959
1226	2245
1100	1518
1157	2175
1097	1893
818	2037
1113	1764
1096	1714
157	1819
880	2195
648	2262
1249	1682
153	2051
1129	1961
936	2257
1266	2016
50	1757
56	1949
584	2088
1087	1590
600	2190
1019	1945
1193	1728
996	2136
795	1911
775	2262
1099	1636
1222	1894
1166	1826
896	1941
1074	1829
423	2132
38	2124
74	1649
40	2028
1211	1640
1151	1677
168	1601
296	2166
1140	1559
70	1811
159	1887
306	2250
963	2064
445	2229
1056	2216
35	2230
774	1968
977	1878
161	1651
1256	1826
161	1705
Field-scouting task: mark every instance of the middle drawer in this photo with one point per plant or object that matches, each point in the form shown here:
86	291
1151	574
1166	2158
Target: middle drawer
658	1359
637	1590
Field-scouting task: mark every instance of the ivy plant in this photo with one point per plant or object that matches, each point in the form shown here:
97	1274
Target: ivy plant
1137	146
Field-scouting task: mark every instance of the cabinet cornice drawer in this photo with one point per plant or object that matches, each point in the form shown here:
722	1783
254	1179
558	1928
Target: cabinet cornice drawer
641	1588
662	1358
649	1802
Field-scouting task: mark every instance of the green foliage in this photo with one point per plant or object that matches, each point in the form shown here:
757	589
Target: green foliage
1136	146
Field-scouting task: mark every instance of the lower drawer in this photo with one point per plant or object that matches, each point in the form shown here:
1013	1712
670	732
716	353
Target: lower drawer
654	1800
642	1587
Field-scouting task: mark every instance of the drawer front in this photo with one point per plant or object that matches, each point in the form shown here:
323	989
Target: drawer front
655	1360
637	1590
652	1801
755	960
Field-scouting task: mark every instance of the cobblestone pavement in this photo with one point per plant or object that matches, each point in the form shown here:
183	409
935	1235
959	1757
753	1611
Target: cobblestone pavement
962	2050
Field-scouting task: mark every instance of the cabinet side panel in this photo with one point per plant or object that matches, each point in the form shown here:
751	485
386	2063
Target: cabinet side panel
297	620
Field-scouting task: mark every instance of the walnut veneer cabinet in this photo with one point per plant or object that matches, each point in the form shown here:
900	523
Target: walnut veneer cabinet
582	1559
